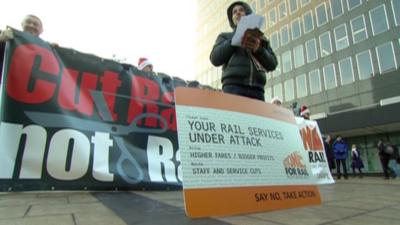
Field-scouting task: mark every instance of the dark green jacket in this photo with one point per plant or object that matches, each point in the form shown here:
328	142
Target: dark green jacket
237	66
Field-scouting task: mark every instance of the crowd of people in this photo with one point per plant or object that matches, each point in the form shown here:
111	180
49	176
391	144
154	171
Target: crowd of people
337	153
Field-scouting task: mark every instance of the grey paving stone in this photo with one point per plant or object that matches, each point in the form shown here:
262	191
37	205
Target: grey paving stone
40	220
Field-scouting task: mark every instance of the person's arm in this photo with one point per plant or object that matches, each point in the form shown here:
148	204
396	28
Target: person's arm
222	50
266	56
6	35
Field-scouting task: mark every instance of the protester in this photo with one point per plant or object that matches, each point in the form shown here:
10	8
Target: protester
295	109
393	153
305	112
356	162
145	65
340	149
30	24
329	154
276	101
384	156
244	67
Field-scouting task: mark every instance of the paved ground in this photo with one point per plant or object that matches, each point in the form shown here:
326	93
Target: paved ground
370	200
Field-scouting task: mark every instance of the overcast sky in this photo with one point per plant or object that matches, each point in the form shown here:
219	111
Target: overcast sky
161	30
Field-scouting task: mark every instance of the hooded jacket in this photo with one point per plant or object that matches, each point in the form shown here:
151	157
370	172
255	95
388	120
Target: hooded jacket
237	66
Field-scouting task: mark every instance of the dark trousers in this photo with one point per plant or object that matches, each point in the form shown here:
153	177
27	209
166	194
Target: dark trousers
246	91
354	171
385	166
343	162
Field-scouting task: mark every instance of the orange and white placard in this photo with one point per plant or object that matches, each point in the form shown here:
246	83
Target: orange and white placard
240	155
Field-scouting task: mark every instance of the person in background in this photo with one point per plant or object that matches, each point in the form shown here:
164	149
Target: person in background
276	101
329	153
145	65
356	161
295	109
340	149
384	157
243	67
393	153
30	24
305	112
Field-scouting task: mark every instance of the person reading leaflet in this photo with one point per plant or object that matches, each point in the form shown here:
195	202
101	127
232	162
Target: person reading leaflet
251	23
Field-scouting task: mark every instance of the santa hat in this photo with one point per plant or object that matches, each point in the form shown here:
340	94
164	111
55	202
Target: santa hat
304	110
143	62
276	98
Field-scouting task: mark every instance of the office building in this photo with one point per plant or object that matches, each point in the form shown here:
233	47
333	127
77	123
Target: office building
339	57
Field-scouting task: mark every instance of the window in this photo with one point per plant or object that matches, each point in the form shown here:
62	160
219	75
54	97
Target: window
308	22
322	17
278	90
296	29
315	81
272	17
364	65
353	3
325	44
277	70
396	11
311	49
329	76
286	61
254	6
336	8
289	90
274	40
379	21
284	35
261	3
301	84
292	6
358	29
386	59
268	94
282	10
268	76
341	39
298	56
346	71
304	2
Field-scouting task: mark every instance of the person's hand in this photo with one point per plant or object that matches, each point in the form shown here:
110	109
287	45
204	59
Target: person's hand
6	35
54	45
251	41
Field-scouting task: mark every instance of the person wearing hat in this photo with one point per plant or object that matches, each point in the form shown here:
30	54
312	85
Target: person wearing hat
305	112
244	67
276	101
145	65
